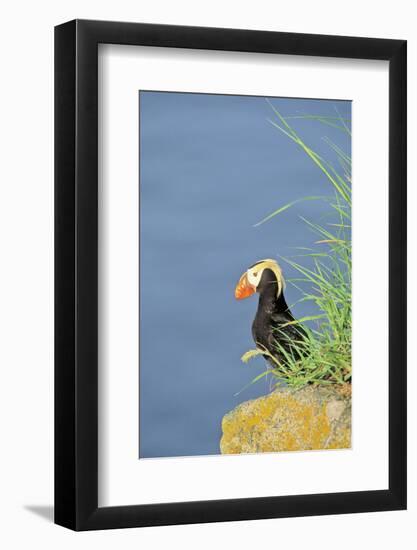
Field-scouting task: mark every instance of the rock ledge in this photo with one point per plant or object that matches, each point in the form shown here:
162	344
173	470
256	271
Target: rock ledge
311	418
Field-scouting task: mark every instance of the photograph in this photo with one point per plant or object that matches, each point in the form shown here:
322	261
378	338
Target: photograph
245	272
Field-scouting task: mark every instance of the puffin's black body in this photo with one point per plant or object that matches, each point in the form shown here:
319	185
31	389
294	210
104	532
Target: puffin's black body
271	321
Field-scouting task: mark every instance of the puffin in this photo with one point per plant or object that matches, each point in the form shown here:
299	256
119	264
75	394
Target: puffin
271	330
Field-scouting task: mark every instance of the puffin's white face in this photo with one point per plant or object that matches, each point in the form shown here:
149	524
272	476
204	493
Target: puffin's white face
255	275
249	281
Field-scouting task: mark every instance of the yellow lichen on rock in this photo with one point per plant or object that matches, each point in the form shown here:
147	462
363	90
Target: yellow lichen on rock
314	417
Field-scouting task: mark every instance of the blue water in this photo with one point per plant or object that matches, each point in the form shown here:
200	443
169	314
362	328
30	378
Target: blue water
211	166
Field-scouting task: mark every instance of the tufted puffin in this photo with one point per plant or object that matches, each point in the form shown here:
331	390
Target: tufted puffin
270	328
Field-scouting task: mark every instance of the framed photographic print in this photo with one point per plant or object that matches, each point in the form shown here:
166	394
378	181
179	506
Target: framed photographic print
230	244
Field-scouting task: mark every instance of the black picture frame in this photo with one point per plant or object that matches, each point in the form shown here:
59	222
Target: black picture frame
76	273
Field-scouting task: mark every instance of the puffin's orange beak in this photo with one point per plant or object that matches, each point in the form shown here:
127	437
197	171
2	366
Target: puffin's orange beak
243	288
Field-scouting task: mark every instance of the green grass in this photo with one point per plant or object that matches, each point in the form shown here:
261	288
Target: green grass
324	355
